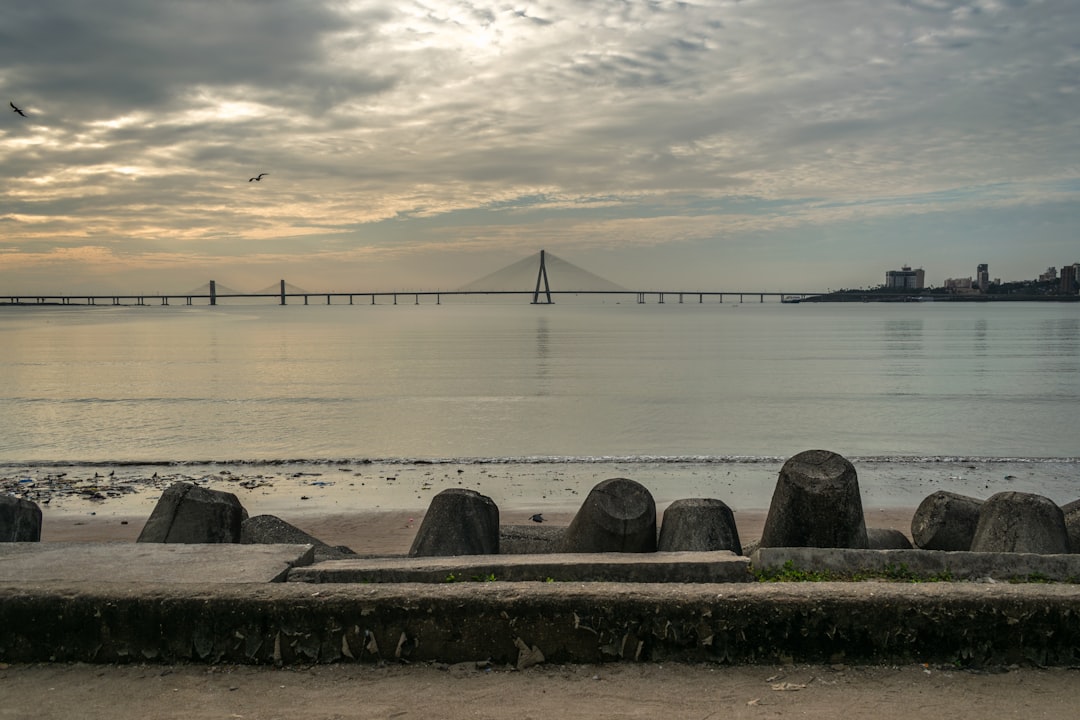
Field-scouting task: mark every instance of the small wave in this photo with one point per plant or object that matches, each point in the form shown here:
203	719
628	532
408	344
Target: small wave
544	460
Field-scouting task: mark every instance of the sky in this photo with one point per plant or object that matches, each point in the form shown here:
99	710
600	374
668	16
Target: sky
772	145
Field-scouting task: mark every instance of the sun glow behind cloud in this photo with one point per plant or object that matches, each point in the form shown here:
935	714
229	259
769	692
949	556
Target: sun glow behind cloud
777	130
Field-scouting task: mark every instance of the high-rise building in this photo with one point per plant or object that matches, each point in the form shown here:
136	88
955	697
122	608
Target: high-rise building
1070	279
982	276
905	278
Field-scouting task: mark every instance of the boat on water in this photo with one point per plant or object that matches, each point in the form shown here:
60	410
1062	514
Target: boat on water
791	299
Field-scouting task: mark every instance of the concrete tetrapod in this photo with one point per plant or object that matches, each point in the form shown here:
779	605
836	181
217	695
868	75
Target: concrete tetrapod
619	515
699	524
945	521
1016	522
1072	524
187	513
20	520
816	503
458	522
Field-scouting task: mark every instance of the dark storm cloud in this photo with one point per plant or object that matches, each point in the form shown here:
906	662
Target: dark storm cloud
116	55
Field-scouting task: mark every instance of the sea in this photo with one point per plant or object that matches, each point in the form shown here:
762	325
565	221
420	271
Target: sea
971	397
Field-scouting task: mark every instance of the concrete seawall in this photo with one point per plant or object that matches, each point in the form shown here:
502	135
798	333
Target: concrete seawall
168	603
289	623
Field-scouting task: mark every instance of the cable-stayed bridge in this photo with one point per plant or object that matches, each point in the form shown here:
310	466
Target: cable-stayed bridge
541	277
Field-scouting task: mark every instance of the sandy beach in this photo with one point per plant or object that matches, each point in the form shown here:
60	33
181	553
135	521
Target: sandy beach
376	508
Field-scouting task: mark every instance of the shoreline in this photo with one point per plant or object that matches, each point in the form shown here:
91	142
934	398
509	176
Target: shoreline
376	508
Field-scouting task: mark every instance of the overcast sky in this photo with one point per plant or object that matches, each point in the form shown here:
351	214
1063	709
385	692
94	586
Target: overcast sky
719	145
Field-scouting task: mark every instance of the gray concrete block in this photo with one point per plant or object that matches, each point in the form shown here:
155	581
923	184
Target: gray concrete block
534	539
699	524
1071	511
458	522
1016	522
619	515
150	563
945	521
925	564
20	520
886	539
187	513
272	530
816	503
678	567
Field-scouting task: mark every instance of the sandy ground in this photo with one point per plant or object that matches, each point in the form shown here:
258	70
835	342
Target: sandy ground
462	691
388	532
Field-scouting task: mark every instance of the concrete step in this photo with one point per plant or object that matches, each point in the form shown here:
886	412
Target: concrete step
149	562
674	567
922	564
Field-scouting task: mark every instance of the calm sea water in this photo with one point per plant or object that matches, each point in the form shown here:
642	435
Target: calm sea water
512	380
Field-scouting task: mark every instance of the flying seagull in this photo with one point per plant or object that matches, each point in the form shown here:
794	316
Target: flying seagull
16	108
258	177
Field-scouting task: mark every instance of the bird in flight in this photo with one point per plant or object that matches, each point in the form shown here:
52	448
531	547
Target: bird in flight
258	177
16	108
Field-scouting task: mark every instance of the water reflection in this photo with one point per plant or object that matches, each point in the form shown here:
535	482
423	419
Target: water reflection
543	352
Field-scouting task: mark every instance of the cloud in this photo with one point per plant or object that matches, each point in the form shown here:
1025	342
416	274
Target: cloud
389	127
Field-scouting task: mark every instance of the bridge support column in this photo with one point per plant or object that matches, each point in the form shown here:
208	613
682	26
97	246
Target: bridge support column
661	301
327	299
680	299
395	298
350	300
282	292
213	293
761	298
372	298
305	299
438	299
417	296
542	275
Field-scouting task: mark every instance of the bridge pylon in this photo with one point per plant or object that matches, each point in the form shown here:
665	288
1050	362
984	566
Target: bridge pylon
542	276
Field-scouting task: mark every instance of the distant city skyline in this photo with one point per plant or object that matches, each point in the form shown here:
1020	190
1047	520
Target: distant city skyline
726	145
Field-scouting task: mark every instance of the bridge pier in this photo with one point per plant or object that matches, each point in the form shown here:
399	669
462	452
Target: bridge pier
328	299
417	296
395	298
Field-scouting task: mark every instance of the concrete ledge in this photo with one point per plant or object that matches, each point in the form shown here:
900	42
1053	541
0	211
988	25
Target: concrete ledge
683	567
149	562
298	623
926	564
